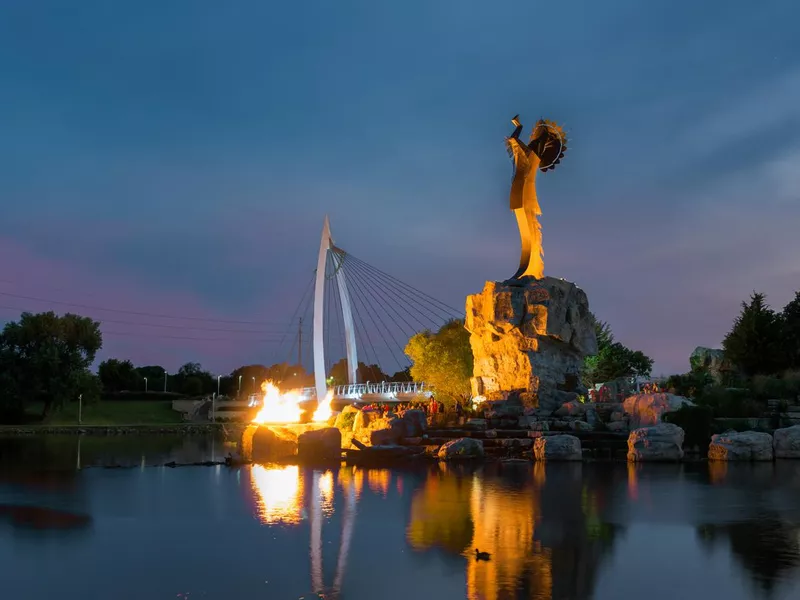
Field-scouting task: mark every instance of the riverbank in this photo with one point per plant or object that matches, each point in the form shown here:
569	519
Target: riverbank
129	429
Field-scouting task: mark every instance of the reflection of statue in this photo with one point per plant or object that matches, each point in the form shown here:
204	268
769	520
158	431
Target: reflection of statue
543	152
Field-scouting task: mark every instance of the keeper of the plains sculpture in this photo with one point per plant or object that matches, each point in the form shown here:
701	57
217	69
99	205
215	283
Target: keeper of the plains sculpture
543	152
529	334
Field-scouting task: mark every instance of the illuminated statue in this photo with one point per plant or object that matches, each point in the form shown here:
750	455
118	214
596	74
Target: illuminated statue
543	152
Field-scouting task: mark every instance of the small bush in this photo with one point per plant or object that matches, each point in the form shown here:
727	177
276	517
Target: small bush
728	402
689	384
696	422
768	388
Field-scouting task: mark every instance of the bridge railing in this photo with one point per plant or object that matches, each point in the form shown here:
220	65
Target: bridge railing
384	387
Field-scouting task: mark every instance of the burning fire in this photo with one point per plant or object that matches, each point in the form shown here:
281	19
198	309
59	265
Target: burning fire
277	407
323	412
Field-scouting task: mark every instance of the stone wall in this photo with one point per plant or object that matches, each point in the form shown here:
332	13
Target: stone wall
529	338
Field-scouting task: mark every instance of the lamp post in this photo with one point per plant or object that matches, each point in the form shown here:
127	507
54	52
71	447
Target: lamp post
80	409
254	385
145	385
218	380
165	381
239	391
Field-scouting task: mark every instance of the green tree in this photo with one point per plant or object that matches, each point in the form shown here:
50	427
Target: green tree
118	375
45	361
155	377
753	344
613	359
193	380
443	360
790	332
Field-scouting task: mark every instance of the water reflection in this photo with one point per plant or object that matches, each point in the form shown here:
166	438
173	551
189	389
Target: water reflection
566	532
545	531
278	492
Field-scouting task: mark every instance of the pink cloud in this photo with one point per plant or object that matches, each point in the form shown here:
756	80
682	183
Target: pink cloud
31	275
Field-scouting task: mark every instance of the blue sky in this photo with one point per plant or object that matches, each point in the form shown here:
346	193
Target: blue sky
179	157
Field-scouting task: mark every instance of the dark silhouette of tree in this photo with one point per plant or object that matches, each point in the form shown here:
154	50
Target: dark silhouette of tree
753	344
790	332
118	375
45	359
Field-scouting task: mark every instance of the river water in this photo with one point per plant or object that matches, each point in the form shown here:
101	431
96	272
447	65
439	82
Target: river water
70	528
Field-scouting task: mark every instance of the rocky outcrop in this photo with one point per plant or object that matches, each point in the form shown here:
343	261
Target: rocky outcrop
713	362
320	445
374	429
662	442
744	445
267	443
786	442
557	447
529	338
461	448
645	410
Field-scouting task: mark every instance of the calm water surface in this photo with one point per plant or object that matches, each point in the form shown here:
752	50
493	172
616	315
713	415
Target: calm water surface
70	529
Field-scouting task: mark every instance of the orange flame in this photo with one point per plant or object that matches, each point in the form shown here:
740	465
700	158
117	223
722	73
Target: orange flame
324	412
277	407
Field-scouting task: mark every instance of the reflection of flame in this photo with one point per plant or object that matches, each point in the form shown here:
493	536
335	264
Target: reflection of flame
323	412
277	407
279	492
326	492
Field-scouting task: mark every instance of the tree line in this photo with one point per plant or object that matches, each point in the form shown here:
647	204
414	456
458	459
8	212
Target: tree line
46	362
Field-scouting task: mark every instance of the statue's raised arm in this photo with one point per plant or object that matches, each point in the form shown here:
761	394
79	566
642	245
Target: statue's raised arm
543	152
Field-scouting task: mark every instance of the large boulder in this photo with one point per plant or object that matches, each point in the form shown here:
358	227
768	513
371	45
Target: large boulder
461	448
743	445
557	447
713	362
662	442
368	422
415	421
786	442
268	443
529	338
573	408
645	410
320	445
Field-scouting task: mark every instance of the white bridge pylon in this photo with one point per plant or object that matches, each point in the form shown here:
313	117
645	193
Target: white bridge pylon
326	248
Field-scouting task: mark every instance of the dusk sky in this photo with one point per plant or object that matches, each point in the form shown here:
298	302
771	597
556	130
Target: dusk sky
179	157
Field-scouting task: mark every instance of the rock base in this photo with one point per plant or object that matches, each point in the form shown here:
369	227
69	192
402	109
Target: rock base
659	443
529	338
745	445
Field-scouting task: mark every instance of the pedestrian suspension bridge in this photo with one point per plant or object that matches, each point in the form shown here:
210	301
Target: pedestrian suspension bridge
361	317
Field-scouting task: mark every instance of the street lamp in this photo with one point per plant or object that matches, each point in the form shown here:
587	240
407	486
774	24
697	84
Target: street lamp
145	385
218	378
254	385
165	381
239	391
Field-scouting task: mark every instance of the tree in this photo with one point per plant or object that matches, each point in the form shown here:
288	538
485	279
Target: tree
364	373
193	380
443	360
155	376
790	332
118	375
45	361
753	343
613	360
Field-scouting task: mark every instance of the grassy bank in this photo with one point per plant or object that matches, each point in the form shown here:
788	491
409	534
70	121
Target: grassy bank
109	413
